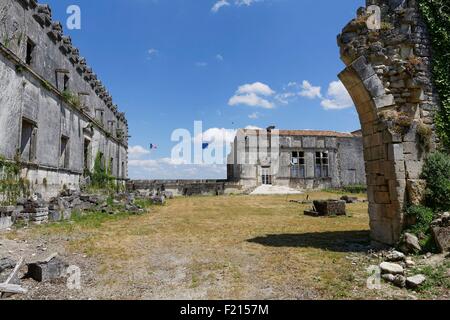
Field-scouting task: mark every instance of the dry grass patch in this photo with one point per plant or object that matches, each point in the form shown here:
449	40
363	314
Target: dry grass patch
235	247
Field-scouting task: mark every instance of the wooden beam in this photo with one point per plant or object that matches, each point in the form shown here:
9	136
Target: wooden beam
15	271
12	288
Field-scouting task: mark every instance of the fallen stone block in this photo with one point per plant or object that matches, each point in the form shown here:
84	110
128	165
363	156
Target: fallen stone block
415	281
158	199
6	217
349	199
399	281
441	232
312	213
5	222
168	194
51	269
330	207
410	244
40	216
395	256
442	238
388	277
391	268
6	263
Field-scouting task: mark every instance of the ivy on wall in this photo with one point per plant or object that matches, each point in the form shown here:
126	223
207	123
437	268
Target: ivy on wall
436	14
11	185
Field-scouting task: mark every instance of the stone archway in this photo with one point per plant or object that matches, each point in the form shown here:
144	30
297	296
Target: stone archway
388	76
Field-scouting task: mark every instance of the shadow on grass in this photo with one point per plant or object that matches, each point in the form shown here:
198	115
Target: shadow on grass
337	241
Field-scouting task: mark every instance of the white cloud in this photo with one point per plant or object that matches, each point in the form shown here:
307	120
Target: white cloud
219	57
256	88
219	5
226	3
216	135
152	53
337	97
285	97
309	91
253	95
252	128
254	116
245	2
251	100
137	152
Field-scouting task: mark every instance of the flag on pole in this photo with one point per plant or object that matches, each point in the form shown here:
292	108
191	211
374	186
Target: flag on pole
153	146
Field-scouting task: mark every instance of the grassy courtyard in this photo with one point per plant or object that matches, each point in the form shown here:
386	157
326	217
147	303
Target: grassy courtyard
235	247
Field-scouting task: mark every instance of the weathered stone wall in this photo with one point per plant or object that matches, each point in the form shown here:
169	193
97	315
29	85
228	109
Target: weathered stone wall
388	76
185	187
79	109
345	152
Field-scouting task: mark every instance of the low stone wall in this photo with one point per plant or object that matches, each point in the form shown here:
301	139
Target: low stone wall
185	187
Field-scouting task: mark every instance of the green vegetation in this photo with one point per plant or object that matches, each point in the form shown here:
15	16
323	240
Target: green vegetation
423	217
12	186
19	68
71	98
354	189
101	179
437	16
143	203
437	278
436	172
357	188
425	135
47	85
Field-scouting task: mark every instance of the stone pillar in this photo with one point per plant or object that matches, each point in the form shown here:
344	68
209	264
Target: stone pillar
388	76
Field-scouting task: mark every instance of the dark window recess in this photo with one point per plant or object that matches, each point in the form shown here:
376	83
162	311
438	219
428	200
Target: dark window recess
87	154
102	160
66	82
266	177
64	156
30	52
111	166
28	141
247	150
123	170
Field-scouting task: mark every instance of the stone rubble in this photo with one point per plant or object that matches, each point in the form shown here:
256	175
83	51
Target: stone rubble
391	268
36	211
410	244
441	232
41	271
395	256
415	281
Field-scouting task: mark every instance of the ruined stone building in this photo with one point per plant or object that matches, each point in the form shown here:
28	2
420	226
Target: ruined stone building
388	57
296	158
56	117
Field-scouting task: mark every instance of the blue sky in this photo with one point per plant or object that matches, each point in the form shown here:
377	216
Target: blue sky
228	63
